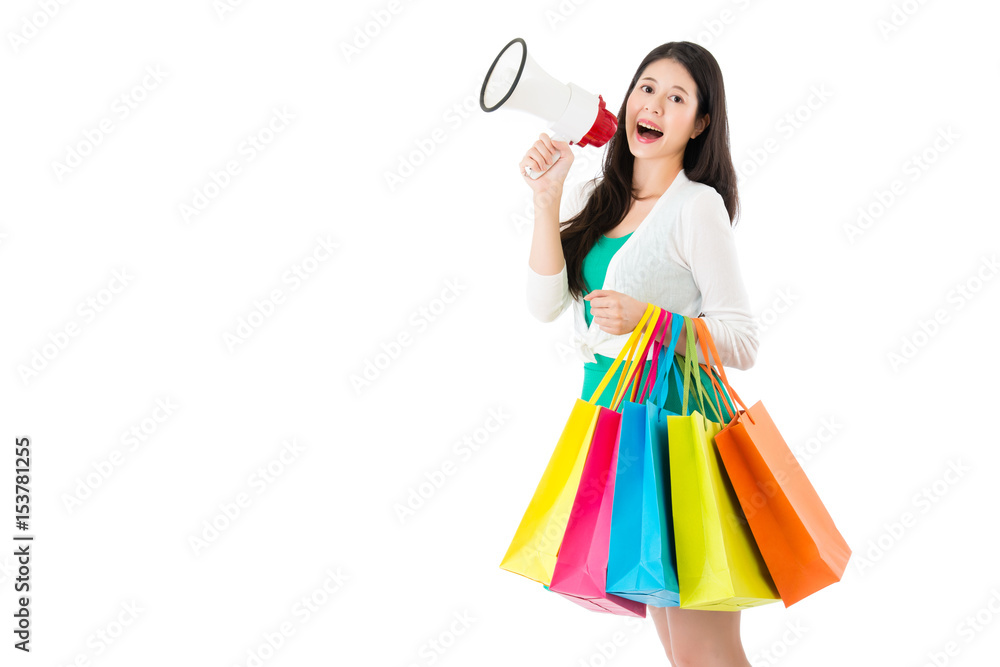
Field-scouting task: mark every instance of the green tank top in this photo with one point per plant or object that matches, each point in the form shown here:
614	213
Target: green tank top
595	266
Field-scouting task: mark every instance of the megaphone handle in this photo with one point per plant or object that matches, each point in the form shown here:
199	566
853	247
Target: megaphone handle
534	175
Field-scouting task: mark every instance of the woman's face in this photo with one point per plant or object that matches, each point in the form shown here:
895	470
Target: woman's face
665	96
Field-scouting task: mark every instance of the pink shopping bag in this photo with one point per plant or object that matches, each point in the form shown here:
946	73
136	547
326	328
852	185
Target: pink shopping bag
581	565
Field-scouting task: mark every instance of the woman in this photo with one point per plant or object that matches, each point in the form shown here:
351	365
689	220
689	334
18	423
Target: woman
655	228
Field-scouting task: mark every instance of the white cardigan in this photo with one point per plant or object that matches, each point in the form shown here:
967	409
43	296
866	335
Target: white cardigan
681	257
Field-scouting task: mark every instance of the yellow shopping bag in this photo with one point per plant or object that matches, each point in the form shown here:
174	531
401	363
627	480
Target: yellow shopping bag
535	546
718	563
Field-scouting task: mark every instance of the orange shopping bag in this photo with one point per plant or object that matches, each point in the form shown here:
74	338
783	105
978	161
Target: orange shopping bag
801	546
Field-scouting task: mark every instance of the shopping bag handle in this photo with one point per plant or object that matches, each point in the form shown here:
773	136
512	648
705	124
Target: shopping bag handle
721	395
657	345
705	339
652	340
691	366
634	369
713	374
676	325
691	370
627	349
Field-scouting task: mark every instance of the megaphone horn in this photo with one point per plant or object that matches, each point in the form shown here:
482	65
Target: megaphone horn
515	81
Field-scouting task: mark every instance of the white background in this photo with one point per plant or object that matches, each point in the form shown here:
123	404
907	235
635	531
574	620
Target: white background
457	227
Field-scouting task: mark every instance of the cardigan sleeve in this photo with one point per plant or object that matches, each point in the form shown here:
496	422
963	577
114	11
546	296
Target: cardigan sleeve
710	246
549	296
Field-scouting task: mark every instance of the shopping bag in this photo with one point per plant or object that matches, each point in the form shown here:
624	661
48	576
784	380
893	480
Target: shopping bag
533	550
796	535
719	566
581	565
641	561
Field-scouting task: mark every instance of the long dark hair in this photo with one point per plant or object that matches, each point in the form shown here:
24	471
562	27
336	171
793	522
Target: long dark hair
706	160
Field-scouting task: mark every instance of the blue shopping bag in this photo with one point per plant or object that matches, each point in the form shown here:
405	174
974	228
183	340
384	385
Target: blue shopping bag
641	561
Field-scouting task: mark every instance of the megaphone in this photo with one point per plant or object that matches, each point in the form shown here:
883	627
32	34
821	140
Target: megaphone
515	81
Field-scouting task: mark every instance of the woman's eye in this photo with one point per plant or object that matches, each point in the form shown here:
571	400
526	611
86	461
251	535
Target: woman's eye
650	90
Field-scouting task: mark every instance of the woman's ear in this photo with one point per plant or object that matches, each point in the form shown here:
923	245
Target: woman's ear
700	125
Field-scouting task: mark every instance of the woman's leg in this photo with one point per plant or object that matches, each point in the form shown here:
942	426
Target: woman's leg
703	638
698	637
659	616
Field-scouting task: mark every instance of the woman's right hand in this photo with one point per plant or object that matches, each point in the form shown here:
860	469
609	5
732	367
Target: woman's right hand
539	156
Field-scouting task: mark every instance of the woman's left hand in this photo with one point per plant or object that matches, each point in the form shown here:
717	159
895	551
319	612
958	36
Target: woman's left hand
614	312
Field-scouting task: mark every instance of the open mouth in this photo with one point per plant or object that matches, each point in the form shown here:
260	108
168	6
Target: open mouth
647	134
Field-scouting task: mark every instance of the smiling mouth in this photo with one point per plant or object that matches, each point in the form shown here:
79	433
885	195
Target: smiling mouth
648	132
